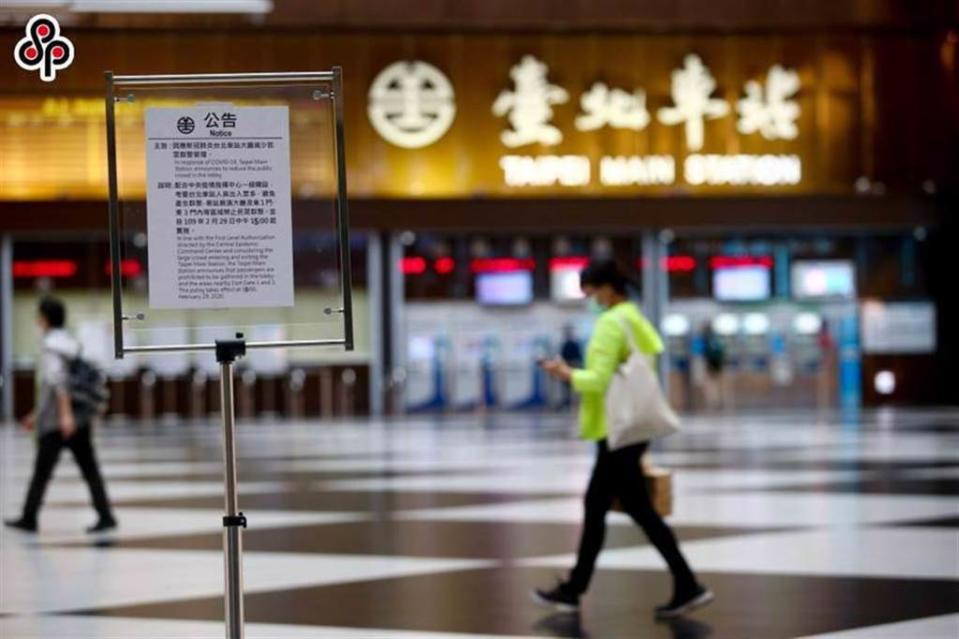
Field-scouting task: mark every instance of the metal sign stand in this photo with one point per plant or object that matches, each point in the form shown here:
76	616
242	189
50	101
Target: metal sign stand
229	350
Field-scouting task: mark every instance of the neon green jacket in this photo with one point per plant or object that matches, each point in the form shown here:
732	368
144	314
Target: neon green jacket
607	349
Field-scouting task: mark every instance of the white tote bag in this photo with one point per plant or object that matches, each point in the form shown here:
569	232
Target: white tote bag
636	409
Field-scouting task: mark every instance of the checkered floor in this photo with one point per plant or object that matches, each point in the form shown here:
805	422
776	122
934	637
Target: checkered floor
437	528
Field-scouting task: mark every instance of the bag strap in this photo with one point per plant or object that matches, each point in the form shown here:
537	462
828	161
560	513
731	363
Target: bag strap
67	359
630	337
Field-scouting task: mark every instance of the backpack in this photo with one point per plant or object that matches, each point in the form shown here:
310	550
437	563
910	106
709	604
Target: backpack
87	385
715	353
636	409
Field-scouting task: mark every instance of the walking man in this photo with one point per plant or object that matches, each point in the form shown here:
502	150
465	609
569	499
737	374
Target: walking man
58	425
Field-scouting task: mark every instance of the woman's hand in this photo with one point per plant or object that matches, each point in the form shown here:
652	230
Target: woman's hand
558	368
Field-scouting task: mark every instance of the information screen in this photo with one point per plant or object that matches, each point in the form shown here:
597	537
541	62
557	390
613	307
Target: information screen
505	289
823	279
565	285
747	283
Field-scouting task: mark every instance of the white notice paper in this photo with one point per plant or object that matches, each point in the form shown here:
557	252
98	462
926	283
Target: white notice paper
218	206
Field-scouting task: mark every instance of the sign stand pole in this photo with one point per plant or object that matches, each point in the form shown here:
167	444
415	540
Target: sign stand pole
227	351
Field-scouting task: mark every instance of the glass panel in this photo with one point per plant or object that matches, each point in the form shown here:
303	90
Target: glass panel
221	244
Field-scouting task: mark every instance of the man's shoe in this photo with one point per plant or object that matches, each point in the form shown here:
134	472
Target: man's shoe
559	598
22	525
102	526
685	602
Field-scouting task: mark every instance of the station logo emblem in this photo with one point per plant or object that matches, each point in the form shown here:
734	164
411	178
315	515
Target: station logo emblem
185	125
43	48
411	104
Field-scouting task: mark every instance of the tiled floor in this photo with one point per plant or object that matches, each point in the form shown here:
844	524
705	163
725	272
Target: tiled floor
437	528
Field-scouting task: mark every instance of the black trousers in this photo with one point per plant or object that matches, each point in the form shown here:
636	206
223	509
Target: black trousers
617	474
48	454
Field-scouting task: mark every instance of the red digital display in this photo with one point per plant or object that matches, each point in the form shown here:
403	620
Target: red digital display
502	265
680	263
413	265
673	263
55	269
444	265
128	268
571	262
733	261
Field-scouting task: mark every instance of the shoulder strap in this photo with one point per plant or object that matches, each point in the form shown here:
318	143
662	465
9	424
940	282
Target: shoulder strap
630	337
66	358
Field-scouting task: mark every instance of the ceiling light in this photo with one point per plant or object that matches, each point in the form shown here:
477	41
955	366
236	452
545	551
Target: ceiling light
172	6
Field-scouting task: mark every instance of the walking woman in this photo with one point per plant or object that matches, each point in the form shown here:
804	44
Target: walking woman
616	473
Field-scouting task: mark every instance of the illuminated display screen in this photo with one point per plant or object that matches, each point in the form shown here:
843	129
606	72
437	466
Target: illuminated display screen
823	279
564	281
746	283
564	285
504	289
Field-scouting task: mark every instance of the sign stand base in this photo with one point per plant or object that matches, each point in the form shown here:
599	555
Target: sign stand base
227	352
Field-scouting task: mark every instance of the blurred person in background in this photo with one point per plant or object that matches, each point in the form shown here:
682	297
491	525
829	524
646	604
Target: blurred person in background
616	473
827	366
572	353
714	352
58	423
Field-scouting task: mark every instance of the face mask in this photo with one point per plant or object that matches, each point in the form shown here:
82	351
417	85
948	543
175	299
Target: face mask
595	307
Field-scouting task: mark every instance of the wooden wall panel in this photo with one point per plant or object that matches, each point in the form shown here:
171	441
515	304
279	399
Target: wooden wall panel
880	106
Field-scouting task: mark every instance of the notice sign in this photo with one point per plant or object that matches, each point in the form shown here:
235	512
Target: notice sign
218	206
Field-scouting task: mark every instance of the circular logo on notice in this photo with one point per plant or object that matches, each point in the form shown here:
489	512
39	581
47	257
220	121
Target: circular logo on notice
185	125
411	104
